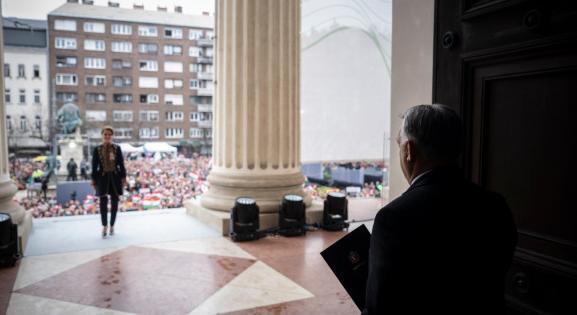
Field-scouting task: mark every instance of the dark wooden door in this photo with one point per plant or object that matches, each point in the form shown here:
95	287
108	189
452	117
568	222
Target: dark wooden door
510	69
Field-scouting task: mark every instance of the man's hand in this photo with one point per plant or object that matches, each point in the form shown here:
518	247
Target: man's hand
93	184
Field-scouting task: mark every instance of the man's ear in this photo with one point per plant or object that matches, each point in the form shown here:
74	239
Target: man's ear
410	151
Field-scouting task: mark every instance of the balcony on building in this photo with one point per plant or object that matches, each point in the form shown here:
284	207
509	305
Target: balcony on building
205	123
204	60
205	75
206	108
204	92
205	42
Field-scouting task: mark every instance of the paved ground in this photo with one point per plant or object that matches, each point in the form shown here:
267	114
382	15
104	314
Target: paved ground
166	262
77	233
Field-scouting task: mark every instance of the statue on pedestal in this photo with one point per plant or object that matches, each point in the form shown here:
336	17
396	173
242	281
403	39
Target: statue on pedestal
68	117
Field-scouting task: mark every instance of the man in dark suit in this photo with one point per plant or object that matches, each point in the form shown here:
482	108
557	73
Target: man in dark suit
71	168
445	245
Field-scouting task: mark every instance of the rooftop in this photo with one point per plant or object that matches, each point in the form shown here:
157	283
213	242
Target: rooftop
132	15
24	32
26	24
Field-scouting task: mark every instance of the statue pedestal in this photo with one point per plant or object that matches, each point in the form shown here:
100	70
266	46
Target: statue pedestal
70	148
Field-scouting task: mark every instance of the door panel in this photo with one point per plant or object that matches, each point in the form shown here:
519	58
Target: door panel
511	72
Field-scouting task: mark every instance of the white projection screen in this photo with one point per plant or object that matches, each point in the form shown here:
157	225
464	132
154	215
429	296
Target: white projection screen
345	80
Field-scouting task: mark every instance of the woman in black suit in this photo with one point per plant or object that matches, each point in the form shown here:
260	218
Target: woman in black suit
108	177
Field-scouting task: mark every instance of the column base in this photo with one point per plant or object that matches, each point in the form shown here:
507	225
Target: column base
220	220
19	216
267	189
24	230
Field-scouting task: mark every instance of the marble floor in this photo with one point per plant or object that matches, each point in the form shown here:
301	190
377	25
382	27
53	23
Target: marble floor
165	262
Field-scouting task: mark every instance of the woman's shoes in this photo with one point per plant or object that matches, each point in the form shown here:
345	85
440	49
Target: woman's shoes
106	231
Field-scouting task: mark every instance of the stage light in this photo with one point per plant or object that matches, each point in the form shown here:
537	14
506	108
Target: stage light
335	212
244	220
291	216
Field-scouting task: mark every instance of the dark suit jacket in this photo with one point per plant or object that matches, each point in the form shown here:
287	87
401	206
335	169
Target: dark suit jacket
118	175
443	247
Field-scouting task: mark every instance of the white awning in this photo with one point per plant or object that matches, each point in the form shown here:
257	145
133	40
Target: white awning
159	147
129	148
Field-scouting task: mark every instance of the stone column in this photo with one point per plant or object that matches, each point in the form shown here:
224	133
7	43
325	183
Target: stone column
8	189
256	147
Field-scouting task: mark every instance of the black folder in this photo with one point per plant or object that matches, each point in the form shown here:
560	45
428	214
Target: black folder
348	258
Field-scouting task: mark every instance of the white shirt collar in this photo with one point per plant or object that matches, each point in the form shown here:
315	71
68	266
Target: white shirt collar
419	176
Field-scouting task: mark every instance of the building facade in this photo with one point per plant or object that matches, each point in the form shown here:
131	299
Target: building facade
149	74
26	86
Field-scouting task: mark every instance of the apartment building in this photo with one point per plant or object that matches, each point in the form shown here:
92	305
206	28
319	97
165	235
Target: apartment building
147	73
26	86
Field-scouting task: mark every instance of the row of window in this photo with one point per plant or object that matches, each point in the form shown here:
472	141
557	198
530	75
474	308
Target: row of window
22	71
126	29
21	96
121	98
23	123
124	81
126	47
147	115
144	65
64	97
153	133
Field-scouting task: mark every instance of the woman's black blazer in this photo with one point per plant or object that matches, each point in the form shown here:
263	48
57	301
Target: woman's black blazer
98	171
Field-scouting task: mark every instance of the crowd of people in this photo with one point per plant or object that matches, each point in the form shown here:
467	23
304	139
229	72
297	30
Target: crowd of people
165	183
369	190
152	183
26	171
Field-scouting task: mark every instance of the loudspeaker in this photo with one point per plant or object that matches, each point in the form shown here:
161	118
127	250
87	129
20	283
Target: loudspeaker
8	241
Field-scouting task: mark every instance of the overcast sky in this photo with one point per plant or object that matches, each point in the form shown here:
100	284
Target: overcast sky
316	13
39	9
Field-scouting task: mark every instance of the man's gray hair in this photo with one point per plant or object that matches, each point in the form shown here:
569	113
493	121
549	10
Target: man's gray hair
435	129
